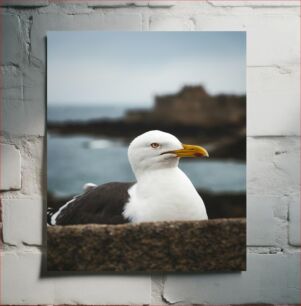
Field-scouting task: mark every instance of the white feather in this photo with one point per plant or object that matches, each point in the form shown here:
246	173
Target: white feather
54	216
89	186
162	192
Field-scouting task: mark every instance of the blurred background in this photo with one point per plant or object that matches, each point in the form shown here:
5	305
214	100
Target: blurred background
106	88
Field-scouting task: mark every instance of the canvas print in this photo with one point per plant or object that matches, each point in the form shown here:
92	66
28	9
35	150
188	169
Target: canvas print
146	151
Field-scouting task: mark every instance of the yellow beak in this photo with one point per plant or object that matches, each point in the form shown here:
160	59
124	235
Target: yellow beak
191	151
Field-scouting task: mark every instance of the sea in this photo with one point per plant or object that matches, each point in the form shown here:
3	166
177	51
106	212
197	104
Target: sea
75	160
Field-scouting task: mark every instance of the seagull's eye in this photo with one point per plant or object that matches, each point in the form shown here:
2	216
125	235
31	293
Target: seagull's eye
155	145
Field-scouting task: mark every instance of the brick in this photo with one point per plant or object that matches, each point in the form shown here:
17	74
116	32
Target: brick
270	30
250	3
88	22
11	77
278	89
273	165
268	279
12	99
24	3
22	221
170	23
108	4
294	220
220	22
267	220
67	7
34	101
261	223
160	3
118	3
115	3
10	167
23	101
33	167
13	45
122	22
273	33
22	283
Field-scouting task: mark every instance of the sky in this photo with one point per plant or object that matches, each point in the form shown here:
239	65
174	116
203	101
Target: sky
131	68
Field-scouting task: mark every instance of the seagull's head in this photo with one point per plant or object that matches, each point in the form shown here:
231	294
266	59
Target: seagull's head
157	150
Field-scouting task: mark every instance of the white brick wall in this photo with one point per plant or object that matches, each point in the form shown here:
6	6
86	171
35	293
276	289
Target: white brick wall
23	223
269	279
10	167
261	227
24	284
24	3
294	220
272	92
13	44
273	176
170	23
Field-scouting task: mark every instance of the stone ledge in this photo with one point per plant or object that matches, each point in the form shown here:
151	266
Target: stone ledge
190	246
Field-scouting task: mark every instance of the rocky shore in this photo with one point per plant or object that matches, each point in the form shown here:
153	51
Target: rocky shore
191	114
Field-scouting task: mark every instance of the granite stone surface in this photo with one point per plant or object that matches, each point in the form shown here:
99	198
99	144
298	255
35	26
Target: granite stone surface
190	246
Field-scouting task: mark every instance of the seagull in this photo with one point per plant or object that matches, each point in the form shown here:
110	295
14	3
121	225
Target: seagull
162	191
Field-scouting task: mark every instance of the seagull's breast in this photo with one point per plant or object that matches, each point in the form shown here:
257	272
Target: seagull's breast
164	195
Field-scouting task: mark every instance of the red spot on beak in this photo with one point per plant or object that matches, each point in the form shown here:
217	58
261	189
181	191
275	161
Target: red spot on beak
198	155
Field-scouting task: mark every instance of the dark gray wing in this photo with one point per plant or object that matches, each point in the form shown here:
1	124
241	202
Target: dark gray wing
103	204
